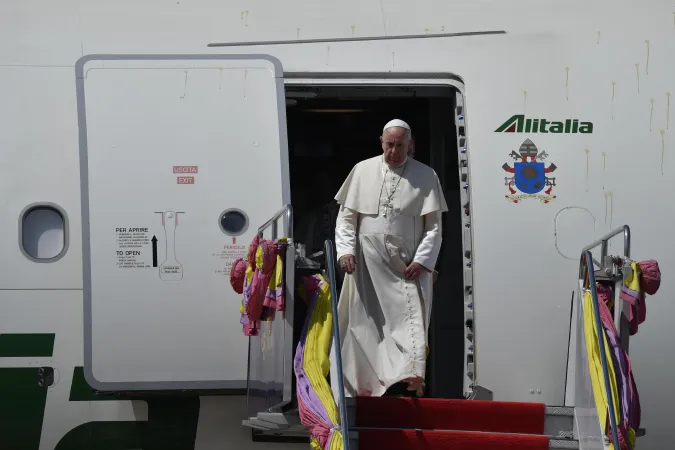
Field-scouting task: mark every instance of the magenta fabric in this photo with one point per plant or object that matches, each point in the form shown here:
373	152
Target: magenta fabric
638	310
651	276
261	279
628	400
275	298
260	302
250	259
238	275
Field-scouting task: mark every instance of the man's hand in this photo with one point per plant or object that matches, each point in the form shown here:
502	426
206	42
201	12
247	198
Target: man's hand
348	263
413	271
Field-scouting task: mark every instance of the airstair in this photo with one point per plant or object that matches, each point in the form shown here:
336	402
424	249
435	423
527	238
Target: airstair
398	423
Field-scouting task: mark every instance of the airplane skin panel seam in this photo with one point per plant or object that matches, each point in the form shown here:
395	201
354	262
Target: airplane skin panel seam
81	63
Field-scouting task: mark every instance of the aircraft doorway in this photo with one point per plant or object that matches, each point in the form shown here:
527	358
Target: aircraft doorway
330	129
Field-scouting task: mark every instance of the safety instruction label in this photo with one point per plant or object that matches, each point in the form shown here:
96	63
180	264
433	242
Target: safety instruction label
228	255
133	248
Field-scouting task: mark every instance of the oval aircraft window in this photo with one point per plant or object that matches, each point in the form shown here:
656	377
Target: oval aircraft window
43	233
233	222
574	228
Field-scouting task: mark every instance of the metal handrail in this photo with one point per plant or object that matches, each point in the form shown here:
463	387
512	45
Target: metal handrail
288	223
289	280
330	267
586	268
603	242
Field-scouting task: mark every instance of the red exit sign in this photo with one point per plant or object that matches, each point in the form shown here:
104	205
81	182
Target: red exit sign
185	169
185	180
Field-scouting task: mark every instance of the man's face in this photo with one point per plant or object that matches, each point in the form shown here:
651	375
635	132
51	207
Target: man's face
395	145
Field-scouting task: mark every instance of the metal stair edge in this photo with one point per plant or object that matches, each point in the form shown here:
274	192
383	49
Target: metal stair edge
563	444
559	411
278	423
555	443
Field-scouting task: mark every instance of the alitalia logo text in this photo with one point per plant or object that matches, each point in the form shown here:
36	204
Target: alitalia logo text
520	124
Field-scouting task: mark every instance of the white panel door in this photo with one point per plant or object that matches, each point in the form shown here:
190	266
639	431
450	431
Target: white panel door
181	158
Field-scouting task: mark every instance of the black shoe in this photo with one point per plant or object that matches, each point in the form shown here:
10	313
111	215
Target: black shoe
399	389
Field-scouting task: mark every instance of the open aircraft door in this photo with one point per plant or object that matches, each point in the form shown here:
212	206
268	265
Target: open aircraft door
182	158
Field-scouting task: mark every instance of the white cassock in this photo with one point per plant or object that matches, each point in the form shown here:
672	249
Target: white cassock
389	217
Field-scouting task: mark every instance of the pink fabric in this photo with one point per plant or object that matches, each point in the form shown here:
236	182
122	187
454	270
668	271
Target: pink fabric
275	298
250	327
651	276
638	310
629	399
260	302
238	275
261	279
252	249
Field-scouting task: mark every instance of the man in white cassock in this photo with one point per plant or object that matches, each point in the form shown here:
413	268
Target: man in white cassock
388	236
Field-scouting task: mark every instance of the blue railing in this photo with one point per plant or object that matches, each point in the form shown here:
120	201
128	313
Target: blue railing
587	274
342	407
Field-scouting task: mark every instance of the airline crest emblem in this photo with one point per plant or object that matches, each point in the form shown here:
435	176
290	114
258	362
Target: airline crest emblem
529	175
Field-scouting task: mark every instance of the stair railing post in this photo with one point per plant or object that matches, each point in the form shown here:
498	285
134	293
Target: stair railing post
330	267
285	213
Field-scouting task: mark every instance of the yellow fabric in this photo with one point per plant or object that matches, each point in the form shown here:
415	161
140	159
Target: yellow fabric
314	444
316	357
632	281
276	280
249	279
259	257
278	277
595	367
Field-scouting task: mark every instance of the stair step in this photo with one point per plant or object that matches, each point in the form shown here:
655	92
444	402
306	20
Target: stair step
559	422
563	444
466	415
286	424
465	440
438	416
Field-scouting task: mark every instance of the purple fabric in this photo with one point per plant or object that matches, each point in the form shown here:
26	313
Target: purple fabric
630	292
249	328
637	308
629	399
618	361
617	353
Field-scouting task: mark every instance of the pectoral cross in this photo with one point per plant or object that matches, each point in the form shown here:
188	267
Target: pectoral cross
387	206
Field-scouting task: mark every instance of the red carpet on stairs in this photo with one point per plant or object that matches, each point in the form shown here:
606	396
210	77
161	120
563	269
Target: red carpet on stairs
443	414
437	440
